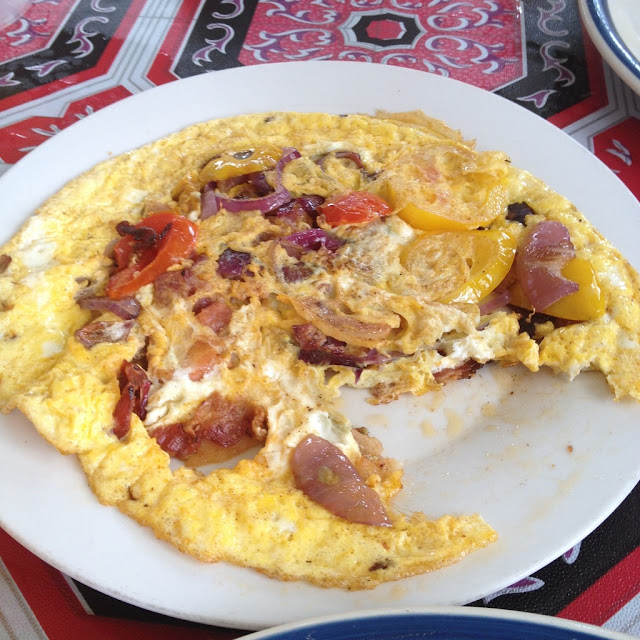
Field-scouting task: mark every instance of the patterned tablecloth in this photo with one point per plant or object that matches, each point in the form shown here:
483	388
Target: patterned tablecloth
64	59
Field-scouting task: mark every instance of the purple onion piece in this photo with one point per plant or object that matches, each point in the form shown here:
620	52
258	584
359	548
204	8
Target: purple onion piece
264	204
493	302
310	203
208	203
314	239
125	308
349	155
288	154
320	349
232	264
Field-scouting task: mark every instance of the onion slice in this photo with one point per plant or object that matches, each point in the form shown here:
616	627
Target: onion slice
314	239
326	476
264	204
546	249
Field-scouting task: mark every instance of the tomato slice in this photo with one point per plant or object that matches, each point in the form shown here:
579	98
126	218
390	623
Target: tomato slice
354	207
177	243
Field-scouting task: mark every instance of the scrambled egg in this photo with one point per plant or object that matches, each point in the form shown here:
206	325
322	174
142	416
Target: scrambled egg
395	291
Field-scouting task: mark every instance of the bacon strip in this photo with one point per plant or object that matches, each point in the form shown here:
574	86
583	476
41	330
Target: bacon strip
126	308
97	332
181	284
319	349
232	265
134	393
5	261
213	313
462	372
220	420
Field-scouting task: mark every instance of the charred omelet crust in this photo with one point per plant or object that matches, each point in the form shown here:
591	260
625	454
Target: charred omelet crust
385	275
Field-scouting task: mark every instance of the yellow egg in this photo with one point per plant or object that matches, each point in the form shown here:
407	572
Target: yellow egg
247	341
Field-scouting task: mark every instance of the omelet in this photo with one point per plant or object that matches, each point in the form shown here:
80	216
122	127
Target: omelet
212	292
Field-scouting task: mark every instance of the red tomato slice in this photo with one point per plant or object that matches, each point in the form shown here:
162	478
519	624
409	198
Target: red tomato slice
354	207
178	242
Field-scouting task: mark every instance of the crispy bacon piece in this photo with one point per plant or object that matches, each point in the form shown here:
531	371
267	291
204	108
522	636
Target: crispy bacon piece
300	212
296	272
232	265
319	349
181	284
97	332
126	308
201	358
213	313
5	261
134	393
218	420
308	337
326	476
528	321
144	237
462	372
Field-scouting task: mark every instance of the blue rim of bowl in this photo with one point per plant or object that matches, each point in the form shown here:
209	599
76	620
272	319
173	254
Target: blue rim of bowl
439	623
599	11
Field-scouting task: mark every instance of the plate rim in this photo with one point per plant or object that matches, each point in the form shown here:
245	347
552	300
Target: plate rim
470	614
149	95
608	41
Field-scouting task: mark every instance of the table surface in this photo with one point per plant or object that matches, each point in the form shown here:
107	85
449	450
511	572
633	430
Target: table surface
64	59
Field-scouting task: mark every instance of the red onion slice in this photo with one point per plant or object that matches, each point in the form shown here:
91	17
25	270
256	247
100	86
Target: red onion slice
208	202
314	239
263	204
326	476
349	155
545	250
494	301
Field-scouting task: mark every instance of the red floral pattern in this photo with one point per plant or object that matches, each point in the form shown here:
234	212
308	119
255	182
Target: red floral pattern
479	42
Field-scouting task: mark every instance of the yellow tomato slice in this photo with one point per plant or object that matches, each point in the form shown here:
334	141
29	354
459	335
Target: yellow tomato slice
588	303
493	255
461	266
447	186
234	163
427	221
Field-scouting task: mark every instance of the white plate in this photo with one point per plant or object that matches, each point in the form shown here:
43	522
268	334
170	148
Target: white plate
614	26
514	467
438	623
